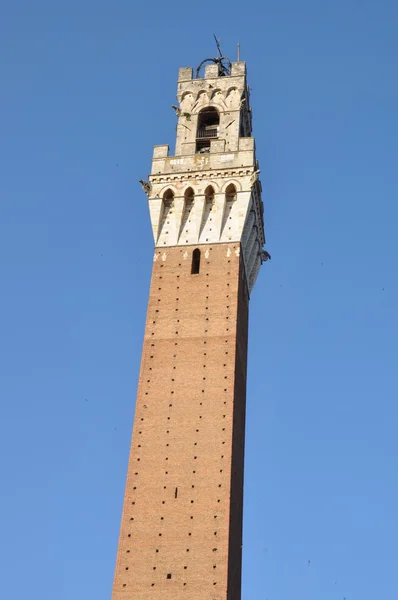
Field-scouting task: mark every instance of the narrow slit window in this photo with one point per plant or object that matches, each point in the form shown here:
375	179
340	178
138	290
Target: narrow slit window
195	262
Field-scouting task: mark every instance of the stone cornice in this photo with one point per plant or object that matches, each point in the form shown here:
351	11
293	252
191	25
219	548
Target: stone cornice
209	175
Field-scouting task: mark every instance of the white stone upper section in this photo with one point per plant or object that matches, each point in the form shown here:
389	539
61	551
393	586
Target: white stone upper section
209	192
228	95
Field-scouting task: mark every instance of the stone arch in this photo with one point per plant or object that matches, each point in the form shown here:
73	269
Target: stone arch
234	182
230	210
209	193
231	90
189	192
216	93
214	185
166	213
209	214
186	218
168	197
187	225
202	96
187	100
187	93
233	97
218	98
231	192
165	189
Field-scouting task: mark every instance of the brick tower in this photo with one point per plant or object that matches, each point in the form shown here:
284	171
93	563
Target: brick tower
181	528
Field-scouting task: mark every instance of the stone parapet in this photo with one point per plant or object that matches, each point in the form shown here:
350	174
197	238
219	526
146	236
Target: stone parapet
164	165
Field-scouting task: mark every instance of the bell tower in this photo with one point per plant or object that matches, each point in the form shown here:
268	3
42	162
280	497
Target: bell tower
181	528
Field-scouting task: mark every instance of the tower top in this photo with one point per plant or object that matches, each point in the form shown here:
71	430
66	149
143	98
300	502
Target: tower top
209	192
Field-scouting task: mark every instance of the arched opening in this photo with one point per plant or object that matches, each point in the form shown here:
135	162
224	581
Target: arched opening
195	262
168	197
230	197
209	194
208	126
186	227
230	193
189	195
208	213
167	211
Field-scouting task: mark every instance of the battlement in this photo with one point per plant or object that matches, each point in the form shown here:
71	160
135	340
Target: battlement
216	158
212	72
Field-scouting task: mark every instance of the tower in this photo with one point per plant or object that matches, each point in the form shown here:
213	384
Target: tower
181	529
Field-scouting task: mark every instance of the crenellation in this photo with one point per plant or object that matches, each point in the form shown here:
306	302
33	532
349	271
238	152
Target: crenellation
211	72
187	149
161	151
217	146
185	73
238	68
247	144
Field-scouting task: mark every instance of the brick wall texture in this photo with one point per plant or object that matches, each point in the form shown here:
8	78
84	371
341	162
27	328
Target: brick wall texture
181	529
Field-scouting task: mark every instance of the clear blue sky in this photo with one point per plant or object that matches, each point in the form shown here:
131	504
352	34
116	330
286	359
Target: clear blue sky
86	89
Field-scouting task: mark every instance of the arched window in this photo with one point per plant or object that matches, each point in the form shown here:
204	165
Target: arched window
168	198
230	197
208	126
195	262
167	211
208	214
209	194
189	196
186	228
230	193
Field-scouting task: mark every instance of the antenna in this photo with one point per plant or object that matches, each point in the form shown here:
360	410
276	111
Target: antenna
238	51
218	46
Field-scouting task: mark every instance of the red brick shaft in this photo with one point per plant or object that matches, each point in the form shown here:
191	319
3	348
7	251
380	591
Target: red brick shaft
181	529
